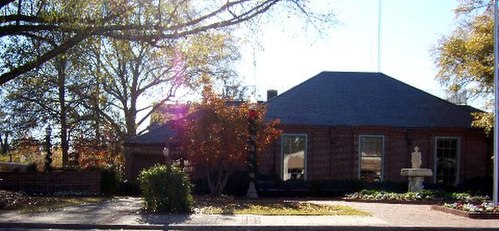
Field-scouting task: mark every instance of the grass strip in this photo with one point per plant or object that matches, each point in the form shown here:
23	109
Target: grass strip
275	208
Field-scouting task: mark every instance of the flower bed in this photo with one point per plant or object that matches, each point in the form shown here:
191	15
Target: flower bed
461	204
424	197
370	195
485	210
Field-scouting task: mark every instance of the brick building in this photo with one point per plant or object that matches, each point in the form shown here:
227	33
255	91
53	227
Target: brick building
340	125
348	125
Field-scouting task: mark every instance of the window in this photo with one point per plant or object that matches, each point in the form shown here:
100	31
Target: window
294	148
371	158
446	161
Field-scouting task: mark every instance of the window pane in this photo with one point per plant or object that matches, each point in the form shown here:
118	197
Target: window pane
446	158
371	158
293	147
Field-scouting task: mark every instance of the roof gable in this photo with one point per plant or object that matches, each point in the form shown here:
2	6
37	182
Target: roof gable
363	99
157	136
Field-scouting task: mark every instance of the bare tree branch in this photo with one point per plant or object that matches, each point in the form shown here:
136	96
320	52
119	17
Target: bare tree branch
44	58
112	26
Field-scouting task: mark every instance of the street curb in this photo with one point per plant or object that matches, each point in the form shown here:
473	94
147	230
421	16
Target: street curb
8	225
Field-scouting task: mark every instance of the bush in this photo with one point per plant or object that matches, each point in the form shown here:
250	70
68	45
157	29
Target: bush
32	167
376	195
166	189
111	179
129	188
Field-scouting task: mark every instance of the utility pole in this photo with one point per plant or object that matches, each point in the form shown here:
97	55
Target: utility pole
251	161
496	107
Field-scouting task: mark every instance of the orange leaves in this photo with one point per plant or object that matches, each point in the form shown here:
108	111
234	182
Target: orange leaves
91	154
216	134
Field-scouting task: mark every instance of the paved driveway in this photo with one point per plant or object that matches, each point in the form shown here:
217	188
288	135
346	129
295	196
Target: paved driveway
406	215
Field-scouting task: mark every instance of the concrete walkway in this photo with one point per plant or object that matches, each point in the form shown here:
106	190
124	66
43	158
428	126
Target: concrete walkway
124	213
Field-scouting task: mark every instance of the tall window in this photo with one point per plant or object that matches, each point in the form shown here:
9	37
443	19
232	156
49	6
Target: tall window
447	161
294	148
371	158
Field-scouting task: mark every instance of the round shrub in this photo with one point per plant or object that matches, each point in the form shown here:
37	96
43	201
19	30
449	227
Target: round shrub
166	189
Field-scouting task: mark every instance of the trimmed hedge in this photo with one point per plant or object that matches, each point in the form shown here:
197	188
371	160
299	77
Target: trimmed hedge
166	189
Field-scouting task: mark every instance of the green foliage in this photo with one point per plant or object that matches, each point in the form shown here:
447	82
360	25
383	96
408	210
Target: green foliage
427	195
483	120
158	23
465	58
166	189
466	197
110	180
391	196
484	208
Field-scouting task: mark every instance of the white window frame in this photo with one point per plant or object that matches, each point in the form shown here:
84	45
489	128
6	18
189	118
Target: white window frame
359	155
304	158
458	157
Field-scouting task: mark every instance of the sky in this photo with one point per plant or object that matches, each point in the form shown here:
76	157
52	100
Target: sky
409	29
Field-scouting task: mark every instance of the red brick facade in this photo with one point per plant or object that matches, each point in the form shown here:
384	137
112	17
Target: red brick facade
141	157
333	152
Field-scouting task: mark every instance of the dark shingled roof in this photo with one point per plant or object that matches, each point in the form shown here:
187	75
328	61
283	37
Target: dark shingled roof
157	136
364	99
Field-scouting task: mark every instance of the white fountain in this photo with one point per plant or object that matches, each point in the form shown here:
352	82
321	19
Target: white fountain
416	174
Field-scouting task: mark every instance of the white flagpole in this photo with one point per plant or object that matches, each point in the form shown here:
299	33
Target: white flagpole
496	106
379	35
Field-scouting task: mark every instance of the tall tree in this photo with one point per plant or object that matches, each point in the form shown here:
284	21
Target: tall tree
158	22
214	137
43	99
132	75
465	58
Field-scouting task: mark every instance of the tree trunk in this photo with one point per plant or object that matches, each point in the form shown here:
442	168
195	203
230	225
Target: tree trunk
96	96
61	83
217	180
131	129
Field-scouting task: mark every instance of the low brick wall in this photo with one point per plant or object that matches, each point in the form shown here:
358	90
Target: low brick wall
464	213
85	182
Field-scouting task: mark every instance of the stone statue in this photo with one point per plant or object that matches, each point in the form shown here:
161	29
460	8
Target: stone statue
416	158
416	174
416	184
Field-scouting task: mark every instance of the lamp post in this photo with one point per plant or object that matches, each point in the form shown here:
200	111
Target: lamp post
5	144
166	153
48	156
495	185
251	161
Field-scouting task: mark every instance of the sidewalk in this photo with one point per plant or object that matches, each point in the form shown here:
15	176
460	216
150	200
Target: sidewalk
123	213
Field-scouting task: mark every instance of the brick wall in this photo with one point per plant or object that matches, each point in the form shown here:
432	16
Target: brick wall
141	157
333	152
86	181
